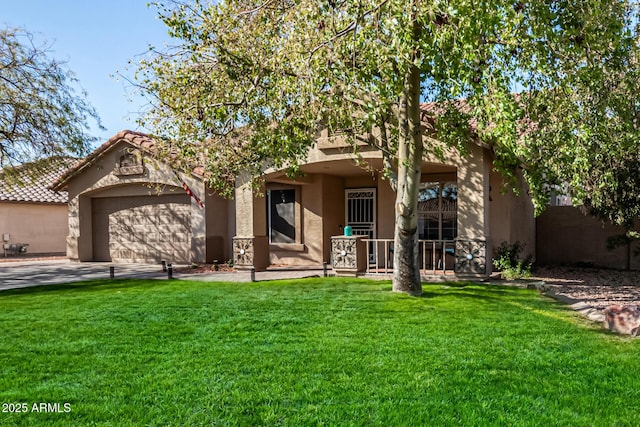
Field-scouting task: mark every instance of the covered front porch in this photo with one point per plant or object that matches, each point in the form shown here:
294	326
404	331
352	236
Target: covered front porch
302	221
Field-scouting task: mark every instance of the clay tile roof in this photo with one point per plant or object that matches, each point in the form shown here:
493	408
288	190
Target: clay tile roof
138	139
33	180
431	109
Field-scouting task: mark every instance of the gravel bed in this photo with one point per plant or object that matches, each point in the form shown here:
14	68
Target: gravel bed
598	288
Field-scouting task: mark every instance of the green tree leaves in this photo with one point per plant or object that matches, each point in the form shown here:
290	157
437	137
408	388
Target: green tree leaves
538	82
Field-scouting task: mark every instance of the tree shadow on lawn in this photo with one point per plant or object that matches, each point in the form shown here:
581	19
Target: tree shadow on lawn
500	296
480	291
470	289
451	294
85	286
489	293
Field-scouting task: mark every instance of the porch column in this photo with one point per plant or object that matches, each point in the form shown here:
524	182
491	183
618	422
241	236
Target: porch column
250	245
473	254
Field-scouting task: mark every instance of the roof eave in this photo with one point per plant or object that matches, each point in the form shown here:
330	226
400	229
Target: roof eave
61	183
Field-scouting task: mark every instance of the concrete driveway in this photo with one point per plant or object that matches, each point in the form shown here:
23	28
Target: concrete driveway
22	274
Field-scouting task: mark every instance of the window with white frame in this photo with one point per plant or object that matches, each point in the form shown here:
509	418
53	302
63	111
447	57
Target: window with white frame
438	211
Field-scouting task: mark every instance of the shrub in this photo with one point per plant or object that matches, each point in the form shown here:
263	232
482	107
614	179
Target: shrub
507	260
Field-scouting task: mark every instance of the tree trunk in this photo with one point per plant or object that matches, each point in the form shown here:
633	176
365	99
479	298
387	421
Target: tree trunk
406	271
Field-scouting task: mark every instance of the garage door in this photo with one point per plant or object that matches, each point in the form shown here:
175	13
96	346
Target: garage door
142	229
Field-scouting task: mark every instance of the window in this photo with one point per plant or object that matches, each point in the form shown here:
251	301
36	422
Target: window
438	211
281	215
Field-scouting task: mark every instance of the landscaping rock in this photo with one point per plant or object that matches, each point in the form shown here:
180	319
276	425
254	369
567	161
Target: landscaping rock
623	319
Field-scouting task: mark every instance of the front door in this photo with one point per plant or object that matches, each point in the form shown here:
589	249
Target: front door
360	214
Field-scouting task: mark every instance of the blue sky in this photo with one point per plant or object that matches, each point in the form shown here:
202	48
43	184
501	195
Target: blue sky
97	38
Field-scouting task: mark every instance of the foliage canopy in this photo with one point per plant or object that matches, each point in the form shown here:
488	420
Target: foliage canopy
41	115
254	80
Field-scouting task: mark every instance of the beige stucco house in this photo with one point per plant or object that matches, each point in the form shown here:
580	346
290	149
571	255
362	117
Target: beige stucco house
463	213
123	206
33	218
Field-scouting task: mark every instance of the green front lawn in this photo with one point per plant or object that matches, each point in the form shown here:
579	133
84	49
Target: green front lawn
308	352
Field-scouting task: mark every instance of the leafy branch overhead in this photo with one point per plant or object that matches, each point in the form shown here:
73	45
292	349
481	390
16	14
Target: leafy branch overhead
283	68
252	82
41	114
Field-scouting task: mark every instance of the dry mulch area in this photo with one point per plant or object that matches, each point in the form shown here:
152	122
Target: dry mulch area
599	288
204	268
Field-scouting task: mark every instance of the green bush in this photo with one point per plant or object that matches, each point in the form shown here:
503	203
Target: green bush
507	260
